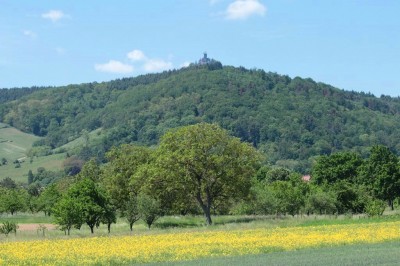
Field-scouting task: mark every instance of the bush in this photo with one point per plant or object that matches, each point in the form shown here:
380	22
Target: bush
375	207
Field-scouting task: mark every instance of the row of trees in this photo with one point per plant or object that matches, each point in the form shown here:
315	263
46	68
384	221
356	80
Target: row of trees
15	199
202	169
194	167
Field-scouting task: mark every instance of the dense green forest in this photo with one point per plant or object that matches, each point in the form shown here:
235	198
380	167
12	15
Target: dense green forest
290	120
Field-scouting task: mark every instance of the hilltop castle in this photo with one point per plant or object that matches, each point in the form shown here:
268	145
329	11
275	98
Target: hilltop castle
205	60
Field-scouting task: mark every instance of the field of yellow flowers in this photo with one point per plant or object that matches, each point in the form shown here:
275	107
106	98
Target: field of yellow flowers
190	245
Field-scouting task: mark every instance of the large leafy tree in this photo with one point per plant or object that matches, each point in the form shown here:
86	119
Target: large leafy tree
205	163
381	173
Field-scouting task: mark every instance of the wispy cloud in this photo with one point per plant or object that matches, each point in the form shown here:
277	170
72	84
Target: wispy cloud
243	9
54	15
114	66
30	34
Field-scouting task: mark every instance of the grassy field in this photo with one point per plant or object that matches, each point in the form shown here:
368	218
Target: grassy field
14	145
50	162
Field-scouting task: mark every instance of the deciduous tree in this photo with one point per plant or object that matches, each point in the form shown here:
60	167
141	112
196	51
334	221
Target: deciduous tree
204	162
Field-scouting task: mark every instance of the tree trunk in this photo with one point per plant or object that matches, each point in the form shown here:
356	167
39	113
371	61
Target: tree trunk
206	208
391	203
91	229
109	227
208	215
131	226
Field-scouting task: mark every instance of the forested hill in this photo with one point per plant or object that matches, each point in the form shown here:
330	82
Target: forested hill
290	120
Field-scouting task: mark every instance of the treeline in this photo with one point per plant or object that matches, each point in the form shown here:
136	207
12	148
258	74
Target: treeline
291	120
201	169
340	183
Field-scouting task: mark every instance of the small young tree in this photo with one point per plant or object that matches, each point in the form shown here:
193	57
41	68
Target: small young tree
149	209
109	216
48	198
93	201
14	200
68	213
131	211
8	227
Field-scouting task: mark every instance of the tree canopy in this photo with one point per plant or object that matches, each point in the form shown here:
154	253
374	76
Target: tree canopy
205	163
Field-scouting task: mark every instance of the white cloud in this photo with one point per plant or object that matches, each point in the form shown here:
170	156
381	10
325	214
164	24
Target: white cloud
54	15
30	34
149	64
136	55
153	65
114	66
242	9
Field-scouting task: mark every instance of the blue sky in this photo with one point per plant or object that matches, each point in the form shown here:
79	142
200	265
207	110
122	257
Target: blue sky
350	44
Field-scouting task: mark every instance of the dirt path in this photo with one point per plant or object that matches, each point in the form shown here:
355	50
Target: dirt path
34	227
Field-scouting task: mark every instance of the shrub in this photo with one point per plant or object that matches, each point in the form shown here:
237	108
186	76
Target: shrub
375	207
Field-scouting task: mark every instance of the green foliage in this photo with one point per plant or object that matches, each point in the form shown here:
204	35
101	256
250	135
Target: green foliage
289	198
84	202
119	176
48	199
335	167
149	208
321	202
290	120
8	227
381	173
68	213
8	183
92	201
13	200
202	162
131	210
375	207
265	201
